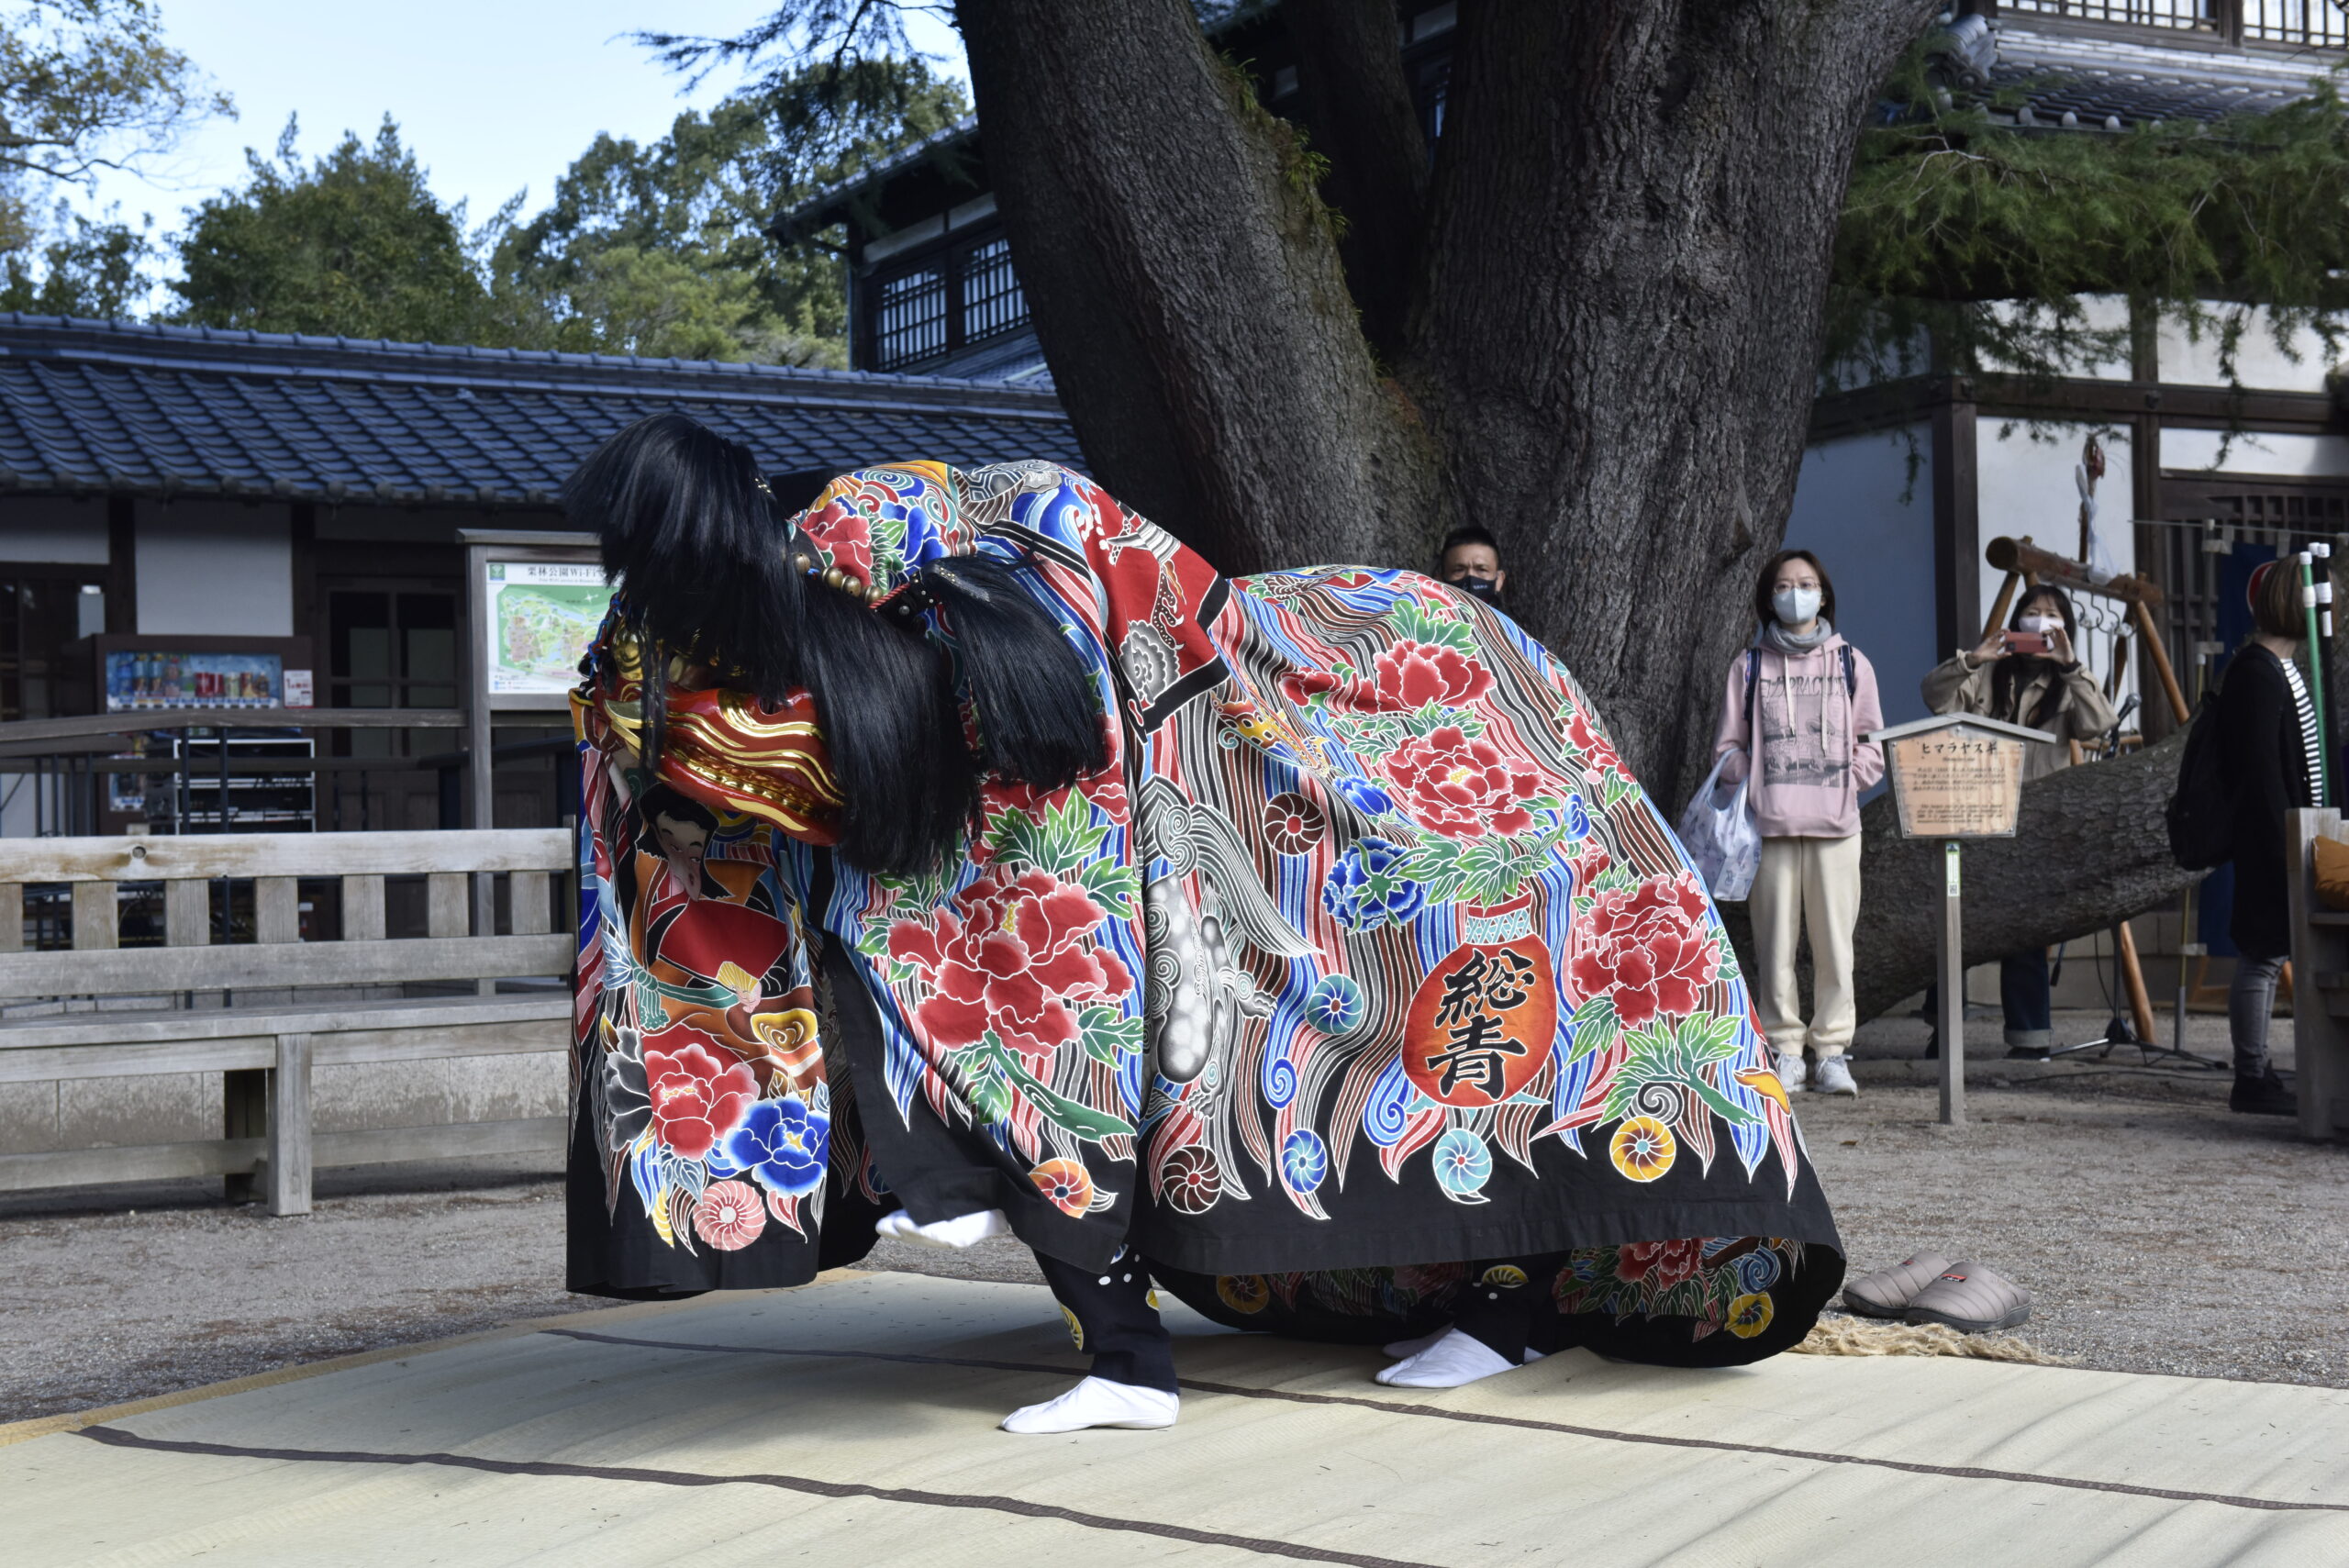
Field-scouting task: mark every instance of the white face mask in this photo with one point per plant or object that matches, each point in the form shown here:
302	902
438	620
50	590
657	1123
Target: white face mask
1793	607
2042	625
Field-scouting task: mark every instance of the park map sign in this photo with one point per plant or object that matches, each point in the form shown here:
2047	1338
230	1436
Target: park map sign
542	617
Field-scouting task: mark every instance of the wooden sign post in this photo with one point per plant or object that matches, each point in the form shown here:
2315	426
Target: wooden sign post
1955	777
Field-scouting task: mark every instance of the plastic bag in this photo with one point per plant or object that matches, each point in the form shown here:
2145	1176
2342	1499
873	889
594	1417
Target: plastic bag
1721	837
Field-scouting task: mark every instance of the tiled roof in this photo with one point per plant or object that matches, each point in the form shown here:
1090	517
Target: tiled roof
92	405
2097	79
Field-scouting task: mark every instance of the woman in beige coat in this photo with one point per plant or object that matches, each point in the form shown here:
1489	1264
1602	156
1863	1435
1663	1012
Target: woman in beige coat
2050	691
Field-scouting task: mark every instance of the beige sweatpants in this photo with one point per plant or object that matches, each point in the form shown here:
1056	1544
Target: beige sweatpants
1814	882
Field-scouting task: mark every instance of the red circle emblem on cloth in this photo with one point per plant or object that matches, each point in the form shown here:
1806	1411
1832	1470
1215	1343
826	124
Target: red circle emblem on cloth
1484	1020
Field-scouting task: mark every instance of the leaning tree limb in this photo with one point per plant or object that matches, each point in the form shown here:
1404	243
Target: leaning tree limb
2089	852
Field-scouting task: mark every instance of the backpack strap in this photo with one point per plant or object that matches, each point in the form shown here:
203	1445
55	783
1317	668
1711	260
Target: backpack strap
1851	673
1752	702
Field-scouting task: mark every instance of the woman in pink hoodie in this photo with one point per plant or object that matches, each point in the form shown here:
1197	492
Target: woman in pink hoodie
1811	699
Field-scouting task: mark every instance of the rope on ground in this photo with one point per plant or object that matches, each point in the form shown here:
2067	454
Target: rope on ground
1840	1335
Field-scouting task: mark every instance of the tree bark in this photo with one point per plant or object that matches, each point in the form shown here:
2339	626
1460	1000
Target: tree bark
1615	294
1359	111
1631	232
1188	291
2087	852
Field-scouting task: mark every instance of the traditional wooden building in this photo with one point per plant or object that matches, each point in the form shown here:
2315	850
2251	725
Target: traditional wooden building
194	495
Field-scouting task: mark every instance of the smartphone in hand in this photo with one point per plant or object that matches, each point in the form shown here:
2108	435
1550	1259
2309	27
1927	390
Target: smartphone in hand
2026	642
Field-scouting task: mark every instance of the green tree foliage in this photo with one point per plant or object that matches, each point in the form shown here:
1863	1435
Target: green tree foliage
85	84
660	249
1972	243
355	244
91	268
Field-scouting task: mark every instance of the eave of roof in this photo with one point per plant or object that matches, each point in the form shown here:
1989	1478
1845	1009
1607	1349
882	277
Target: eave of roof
816	210
2098	76
125	408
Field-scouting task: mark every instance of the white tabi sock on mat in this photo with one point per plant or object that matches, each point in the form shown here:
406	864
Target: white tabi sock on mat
1453	1360
1409	1348
1096	1401
946	1235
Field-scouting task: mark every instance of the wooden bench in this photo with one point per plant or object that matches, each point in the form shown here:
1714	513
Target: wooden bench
267	1053
2321	958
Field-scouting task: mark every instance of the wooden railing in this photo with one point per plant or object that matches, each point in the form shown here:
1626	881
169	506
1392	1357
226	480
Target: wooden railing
266	1053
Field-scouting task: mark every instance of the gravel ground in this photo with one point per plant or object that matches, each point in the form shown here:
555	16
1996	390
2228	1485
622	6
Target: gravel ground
2158	1232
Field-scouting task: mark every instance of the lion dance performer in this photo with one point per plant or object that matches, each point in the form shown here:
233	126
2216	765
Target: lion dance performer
966	855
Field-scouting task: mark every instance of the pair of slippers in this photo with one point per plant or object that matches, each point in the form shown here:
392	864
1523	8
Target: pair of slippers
1929	1288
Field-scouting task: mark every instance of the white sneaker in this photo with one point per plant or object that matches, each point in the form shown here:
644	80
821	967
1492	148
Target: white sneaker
1834	1077
1098	1402
1787	1066
946	1235
1455	1360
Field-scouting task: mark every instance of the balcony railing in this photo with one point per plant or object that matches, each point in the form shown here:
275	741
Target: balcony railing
2316	24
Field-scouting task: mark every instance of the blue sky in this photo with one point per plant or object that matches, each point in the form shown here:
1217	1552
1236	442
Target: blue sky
494	95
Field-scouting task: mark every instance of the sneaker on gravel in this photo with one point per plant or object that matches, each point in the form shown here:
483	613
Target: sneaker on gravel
2263	1096
1970	1299
1887	1292
1787	1066
1834	1076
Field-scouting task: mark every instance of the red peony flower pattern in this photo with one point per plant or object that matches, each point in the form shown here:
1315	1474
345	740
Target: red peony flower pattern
1107	790
1010	954
1301	686
1459	787
1409	675
699	1091
1585	737
1661	1263
1646	946
845	536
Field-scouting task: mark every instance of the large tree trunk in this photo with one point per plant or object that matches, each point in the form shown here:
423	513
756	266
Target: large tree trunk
1187	287
1614	296
1631	227
2089	852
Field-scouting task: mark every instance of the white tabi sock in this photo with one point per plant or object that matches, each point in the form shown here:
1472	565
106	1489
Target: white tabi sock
946	1235
1096	1401
1406	1349
1451	1361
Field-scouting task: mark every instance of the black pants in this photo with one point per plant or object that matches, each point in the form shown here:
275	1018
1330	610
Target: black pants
1507	1305
1112	1319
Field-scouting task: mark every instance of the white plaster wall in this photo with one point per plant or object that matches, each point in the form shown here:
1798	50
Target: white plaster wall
2256	452
215	569
1859	508
2026	482
2100	313
2186	361
53	530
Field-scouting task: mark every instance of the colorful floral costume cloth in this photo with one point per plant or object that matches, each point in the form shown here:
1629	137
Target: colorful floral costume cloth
1364	958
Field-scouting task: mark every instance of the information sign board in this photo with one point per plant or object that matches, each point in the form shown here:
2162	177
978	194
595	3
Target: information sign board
542	617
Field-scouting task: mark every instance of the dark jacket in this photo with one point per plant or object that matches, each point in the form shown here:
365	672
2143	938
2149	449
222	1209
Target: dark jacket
2267	773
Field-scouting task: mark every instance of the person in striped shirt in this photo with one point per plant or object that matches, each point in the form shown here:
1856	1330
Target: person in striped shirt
2272	751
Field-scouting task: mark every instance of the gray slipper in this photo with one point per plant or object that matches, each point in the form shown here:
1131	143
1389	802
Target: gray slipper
1887	1292
1971	1299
